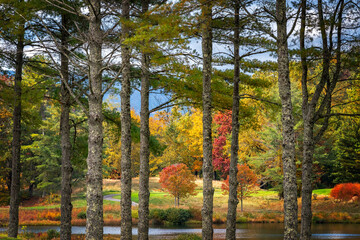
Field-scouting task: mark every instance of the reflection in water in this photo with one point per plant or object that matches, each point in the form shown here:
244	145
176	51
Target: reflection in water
272	231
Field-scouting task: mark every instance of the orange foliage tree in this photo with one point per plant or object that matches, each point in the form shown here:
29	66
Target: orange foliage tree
178	180
247	180
345	191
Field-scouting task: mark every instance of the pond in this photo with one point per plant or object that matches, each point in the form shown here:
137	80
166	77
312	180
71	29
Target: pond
255	231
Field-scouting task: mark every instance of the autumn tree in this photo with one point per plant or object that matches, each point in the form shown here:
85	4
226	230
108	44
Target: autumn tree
247	183
5	133
178	180
221	160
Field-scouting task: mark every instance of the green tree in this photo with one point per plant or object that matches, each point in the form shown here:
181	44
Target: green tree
347	146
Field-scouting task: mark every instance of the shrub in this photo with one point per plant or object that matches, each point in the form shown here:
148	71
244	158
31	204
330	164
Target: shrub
195	213
188	237
241	220
4	199
345	191
53	198
26	234
51	233
157	215
81	215
318	218
218	218
175	216
135	214
53	216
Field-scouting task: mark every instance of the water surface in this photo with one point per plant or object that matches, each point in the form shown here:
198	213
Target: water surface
250	231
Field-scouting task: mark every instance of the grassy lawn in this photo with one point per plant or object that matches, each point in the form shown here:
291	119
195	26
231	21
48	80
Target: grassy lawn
134	196
4	237
325	191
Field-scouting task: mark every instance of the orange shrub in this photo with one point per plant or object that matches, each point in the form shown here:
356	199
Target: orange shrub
345	191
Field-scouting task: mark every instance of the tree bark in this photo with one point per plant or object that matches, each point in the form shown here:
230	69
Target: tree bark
208	190
94	212
308	145
66	168
242	206
288	156
309	108
144	193
126	233
233	183
16	142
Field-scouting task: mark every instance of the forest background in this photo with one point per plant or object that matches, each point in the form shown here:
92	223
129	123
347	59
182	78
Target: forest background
153	40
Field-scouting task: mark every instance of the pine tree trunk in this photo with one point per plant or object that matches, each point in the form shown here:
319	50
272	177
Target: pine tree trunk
208	191
288	157
144	193
66	168
94	212
233	183
308	145
16	142
306	194
126	233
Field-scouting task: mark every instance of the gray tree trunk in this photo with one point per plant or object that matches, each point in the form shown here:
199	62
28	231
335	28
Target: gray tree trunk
66	168
126	233
16	142
242	206
308	146
309	107
288	157
94	212
233	183
208	190
144	193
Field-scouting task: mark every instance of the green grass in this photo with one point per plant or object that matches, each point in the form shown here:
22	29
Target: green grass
108	192
134	196
325	191
42	207
155	197
161	198
264	193
4	237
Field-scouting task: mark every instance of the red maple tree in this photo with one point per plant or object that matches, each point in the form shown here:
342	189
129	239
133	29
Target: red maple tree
221	160
247	180
178	180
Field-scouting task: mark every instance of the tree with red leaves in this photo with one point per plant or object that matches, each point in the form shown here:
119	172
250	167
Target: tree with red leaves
221	159
247	180
178	180
345	191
